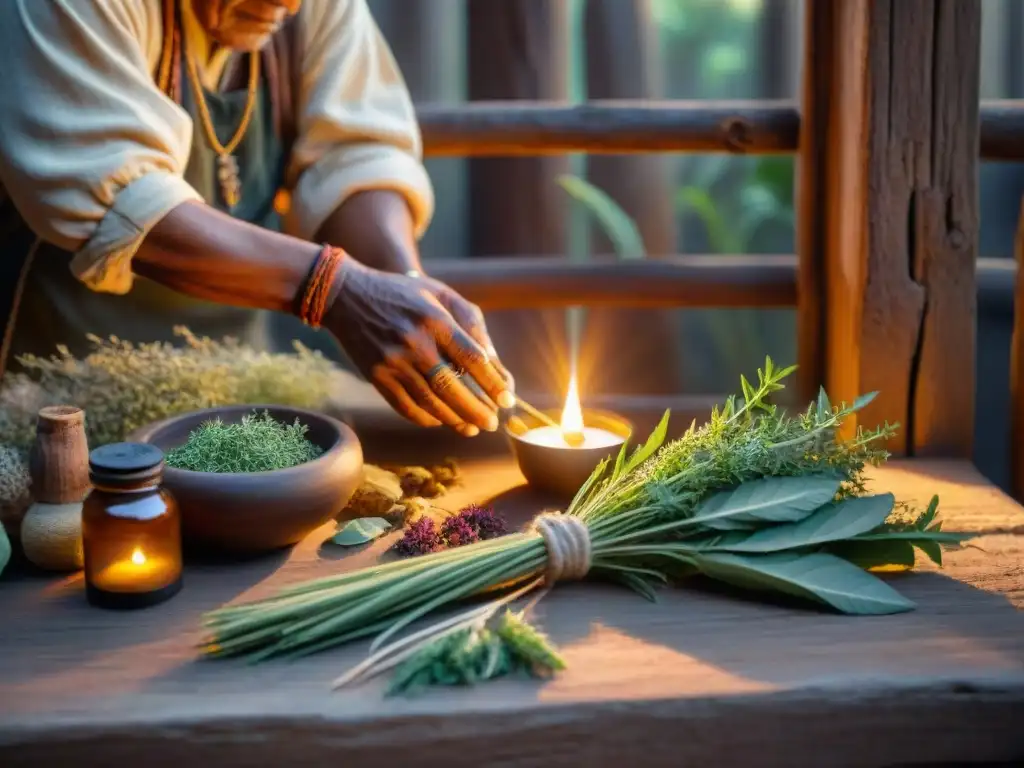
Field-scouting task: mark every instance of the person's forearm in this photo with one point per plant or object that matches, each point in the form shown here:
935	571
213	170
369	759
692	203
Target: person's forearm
204	253
377	228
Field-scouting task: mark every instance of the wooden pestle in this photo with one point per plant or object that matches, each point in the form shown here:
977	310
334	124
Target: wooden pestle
59	461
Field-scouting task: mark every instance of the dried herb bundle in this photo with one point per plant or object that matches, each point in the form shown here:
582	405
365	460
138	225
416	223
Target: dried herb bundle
753	498
123	386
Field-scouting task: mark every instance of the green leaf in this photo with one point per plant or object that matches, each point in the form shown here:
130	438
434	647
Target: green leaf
638	584
776	174
940	537
5	549
863	400
654	442
833	522
928	516
817	576
931	548
620	461
615	222
749	395
875	554
824	406
770	499
360	531
721	236
584	492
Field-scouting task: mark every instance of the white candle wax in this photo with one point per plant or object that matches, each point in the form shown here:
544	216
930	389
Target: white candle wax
552	437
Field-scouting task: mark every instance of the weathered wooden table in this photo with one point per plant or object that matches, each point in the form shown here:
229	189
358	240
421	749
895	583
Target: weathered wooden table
702	678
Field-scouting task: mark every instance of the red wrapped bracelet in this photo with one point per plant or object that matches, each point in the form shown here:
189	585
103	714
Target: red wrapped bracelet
318	287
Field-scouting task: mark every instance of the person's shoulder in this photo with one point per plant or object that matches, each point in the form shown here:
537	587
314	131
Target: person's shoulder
137	18
313	13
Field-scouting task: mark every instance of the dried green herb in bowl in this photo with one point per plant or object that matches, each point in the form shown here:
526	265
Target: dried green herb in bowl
258	443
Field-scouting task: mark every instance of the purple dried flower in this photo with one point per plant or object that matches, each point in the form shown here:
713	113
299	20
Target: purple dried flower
485	521
420	538
456	531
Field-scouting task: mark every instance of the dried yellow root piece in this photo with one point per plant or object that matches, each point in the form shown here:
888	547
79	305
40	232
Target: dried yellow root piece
376	495
399	494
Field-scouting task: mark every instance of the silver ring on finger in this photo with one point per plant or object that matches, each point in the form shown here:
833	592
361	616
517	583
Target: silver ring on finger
441	377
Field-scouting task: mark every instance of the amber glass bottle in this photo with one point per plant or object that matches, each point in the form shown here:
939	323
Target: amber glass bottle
131	529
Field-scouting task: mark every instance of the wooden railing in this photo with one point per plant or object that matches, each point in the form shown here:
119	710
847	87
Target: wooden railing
888	136
518	128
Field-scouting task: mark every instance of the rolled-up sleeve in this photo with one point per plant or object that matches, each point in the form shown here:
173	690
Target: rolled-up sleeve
357	127
92	154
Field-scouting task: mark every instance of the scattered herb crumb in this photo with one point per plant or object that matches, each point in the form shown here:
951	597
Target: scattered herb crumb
470	524
259	443
457	531
487	523
420	538
426	482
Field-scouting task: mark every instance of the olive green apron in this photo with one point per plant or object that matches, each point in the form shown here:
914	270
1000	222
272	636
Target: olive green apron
55	308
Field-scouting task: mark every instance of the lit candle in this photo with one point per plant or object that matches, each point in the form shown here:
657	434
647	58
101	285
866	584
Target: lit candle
131	530
572	432
137	573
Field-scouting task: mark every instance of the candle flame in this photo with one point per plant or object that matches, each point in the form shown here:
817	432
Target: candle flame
572	412
138	557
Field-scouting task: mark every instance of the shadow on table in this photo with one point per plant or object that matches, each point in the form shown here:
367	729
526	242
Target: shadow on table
50	630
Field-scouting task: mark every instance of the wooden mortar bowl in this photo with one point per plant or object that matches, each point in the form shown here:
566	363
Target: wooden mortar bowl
251	513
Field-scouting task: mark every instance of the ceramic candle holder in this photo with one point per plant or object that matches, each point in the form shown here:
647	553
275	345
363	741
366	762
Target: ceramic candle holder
561	469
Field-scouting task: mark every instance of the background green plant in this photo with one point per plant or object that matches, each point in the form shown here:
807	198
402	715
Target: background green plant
617	226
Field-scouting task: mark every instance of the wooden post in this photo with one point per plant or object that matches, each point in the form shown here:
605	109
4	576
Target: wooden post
811	182
899	207
1017	369
622	63
517	49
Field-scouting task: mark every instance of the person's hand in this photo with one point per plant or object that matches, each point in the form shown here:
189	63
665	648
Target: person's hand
471	320
411	337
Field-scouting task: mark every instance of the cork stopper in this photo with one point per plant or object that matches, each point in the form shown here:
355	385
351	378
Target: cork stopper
59	461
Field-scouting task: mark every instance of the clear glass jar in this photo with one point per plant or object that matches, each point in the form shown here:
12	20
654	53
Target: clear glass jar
131	529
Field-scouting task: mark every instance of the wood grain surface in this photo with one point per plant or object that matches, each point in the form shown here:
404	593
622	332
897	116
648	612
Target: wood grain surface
702	676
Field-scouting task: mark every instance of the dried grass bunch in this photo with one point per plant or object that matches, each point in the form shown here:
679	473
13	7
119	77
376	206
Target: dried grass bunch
123	386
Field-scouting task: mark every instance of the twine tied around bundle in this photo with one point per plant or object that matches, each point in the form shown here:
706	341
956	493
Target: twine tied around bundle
567	540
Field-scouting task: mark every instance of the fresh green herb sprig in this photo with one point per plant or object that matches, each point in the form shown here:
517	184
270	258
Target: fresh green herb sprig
754	498
258	443
475	654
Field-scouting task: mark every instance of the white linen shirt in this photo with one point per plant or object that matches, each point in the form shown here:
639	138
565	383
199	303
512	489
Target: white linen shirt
92	154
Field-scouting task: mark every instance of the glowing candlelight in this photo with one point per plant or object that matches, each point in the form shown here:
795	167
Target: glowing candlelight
572	432
572	416
137	573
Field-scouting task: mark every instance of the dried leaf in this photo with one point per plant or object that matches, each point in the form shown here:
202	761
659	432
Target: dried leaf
360	531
